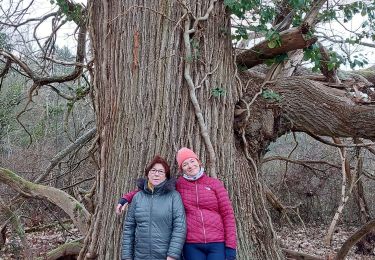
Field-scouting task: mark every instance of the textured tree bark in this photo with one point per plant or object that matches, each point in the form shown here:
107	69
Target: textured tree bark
143	108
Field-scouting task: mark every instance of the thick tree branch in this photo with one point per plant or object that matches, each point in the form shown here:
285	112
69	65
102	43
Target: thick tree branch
291	39
368	74
313	108
6	68
311	17
76	211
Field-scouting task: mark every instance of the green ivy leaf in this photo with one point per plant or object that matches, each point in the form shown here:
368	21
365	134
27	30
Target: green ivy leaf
218	92
271	95
272	44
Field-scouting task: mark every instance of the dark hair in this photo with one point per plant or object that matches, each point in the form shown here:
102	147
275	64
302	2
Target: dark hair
162	161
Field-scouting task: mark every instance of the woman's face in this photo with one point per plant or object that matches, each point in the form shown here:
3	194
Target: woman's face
191	167
157	174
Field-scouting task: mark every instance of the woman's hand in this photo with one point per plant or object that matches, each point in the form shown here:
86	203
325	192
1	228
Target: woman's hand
170	258
120	209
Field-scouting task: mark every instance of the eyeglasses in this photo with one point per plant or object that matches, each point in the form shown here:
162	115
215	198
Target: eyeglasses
155	171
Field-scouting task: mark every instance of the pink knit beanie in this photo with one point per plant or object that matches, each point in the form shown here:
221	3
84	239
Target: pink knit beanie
183	154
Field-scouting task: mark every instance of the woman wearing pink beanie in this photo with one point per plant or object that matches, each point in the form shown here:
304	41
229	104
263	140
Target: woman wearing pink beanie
211	227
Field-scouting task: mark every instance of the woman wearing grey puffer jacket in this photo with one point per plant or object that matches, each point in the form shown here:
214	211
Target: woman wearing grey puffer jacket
155	226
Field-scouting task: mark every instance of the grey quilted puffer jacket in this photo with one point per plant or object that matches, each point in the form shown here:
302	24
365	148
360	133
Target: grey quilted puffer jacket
155	225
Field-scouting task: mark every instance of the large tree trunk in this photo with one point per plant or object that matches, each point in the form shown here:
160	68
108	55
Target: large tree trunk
143	108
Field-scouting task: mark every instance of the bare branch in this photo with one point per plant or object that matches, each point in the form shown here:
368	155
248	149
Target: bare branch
40	81
322	140
332	39
58	157
280	207
43	18
300	162
347	178
311	17
353	239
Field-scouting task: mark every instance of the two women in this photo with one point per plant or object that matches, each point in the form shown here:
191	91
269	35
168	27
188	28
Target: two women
155	226
211	228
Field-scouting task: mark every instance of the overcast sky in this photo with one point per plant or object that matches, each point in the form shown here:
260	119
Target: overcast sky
66	33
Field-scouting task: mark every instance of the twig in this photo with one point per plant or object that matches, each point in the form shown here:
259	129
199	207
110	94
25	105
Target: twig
65	63
339	145
77	183
207	74
248	155
254	98
301	162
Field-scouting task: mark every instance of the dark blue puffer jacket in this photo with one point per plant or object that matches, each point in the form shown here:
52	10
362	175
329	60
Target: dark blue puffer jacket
155	225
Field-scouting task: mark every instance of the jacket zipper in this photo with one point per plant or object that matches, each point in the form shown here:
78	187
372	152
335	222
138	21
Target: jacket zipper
149	227
204	230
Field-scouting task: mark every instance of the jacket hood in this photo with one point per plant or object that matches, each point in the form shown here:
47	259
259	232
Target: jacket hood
164	187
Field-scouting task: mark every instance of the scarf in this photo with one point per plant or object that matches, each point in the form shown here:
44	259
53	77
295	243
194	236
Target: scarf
150	186
196	177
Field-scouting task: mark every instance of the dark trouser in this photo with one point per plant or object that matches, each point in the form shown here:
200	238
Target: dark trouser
202	251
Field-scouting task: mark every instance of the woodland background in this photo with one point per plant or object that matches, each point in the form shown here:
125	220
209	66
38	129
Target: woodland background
50	131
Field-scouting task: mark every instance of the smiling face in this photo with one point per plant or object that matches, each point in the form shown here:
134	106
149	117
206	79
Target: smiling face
191	167
156	175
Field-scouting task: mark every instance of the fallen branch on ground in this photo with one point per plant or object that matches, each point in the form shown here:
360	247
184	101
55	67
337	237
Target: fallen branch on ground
76	211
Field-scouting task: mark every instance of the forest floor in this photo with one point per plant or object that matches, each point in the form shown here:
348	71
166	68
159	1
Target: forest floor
39	242
309	241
